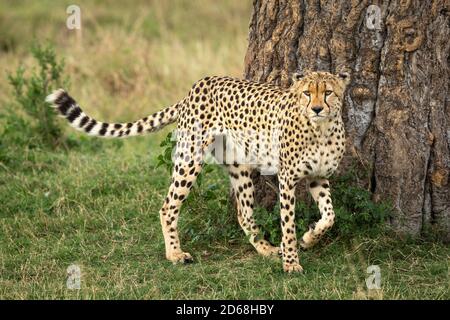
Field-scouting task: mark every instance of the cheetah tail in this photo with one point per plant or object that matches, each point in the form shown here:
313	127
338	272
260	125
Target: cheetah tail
69	109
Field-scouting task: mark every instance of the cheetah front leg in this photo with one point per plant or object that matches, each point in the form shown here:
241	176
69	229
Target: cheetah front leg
289	238
244	192
320	191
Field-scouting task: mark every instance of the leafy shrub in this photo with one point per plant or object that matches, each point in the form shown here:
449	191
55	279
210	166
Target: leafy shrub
34	117
165	158
28	125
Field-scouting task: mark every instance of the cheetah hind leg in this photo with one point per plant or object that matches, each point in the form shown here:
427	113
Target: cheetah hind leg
244	192
183	177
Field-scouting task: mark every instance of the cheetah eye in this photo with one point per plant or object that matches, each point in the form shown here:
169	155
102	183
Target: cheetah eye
328	92
306	93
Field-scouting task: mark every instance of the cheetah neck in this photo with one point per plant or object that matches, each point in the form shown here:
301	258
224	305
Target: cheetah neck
325	129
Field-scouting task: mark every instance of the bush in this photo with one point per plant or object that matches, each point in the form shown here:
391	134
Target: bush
34	117
165	158
29	126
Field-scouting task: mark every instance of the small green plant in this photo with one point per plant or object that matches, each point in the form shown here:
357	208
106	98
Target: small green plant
28	126
355	210
165	158
33	116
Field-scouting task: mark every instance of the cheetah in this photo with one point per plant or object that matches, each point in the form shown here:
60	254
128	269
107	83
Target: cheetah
299	130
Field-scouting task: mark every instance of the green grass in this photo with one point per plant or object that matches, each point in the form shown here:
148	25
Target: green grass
99	210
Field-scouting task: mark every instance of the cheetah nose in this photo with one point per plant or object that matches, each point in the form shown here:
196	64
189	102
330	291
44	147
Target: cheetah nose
317	109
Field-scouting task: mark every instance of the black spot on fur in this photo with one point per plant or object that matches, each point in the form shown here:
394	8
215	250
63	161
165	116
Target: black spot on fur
313	184
102	131
64	102
90	125
234	175
74	114
83	121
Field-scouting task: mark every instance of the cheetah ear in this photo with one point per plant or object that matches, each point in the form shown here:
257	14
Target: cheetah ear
345	77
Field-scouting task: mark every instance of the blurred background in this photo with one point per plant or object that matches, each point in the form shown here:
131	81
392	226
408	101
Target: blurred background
131	57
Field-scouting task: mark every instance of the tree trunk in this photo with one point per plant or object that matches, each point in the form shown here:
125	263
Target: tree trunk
396	110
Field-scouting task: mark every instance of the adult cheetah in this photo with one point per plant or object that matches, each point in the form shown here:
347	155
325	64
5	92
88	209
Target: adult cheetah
297	133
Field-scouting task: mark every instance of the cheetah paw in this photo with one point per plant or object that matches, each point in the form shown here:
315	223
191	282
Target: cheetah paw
308	240
292	268
305	245
180	257
265	249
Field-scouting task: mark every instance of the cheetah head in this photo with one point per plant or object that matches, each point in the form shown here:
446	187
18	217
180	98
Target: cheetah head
320	94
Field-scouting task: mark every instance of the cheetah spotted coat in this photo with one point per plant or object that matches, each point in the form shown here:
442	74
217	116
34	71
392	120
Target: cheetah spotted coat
297	133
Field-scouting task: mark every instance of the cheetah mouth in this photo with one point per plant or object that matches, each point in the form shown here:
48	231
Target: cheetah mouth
318	118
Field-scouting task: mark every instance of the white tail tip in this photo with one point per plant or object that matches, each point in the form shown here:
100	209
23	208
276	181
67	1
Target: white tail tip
51	98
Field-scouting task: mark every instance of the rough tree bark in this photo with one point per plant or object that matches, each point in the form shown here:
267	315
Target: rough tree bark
397	111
